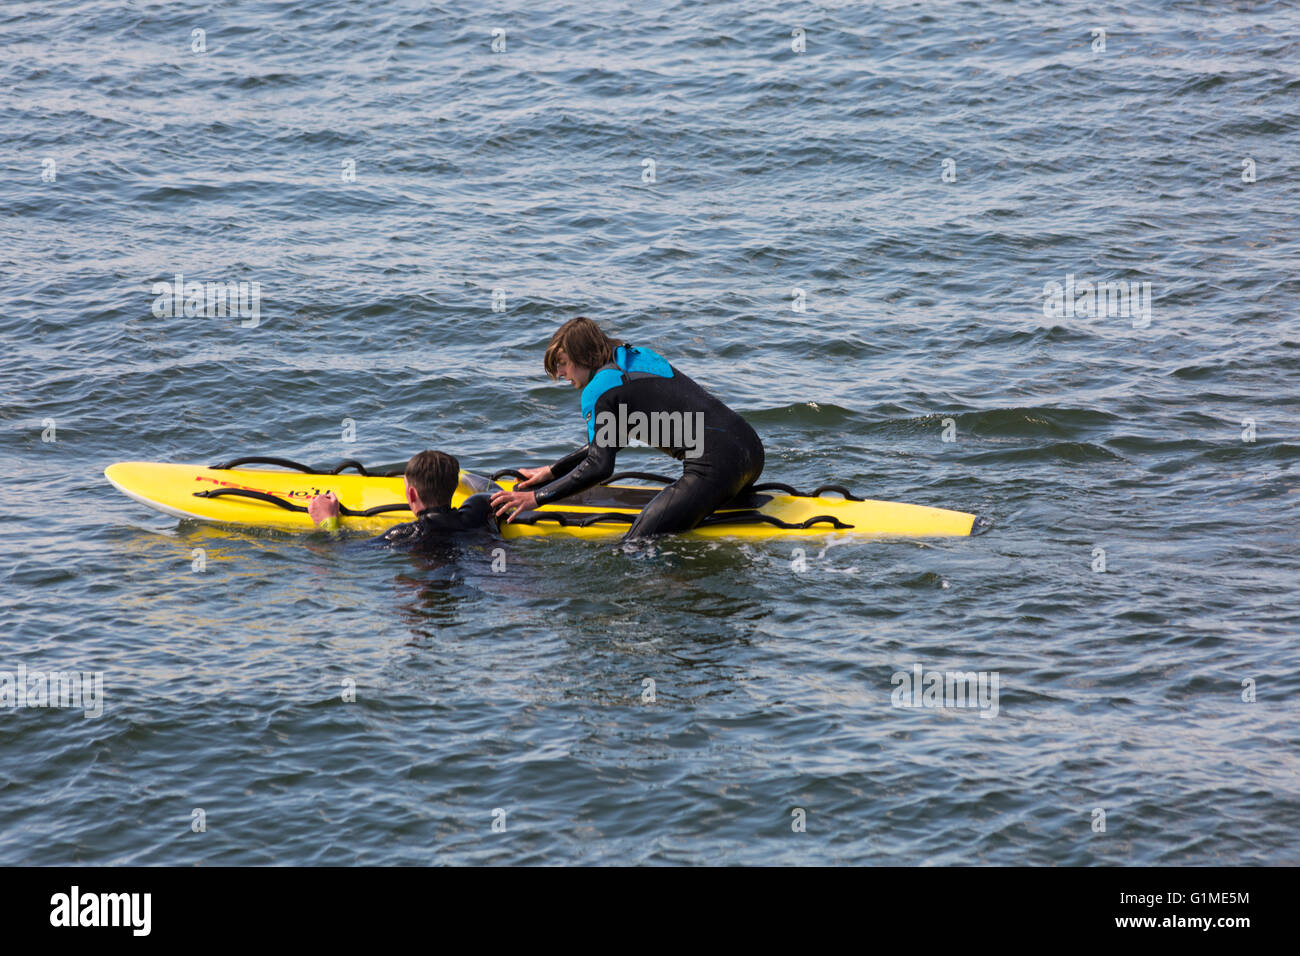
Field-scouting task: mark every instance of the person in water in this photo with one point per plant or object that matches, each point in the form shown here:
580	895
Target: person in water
431	478
631	393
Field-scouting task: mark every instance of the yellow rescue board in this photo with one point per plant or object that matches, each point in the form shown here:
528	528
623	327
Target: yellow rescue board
205	494
175	489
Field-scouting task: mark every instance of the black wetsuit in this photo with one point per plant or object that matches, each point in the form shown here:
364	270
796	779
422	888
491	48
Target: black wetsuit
433	525
730	453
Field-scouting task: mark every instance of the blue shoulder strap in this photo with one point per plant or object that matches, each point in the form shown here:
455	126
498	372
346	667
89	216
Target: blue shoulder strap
632	361
643	360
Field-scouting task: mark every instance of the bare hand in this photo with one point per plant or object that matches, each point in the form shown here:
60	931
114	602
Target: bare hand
323	507
513	502
534	476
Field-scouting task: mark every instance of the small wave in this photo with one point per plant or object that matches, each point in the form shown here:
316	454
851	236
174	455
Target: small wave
1033	421
1068	451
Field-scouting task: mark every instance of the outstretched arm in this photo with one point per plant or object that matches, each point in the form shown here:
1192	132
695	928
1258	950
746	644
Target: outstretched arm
593	468
541	476
596	465
575	472
569	462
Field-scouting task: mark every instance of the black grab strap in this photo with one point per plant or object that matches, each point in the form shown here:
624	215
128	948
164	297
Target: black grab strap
816	492
664	479
574	519
570	519
757	517
307	469
744	516
637	475
290	506
396	471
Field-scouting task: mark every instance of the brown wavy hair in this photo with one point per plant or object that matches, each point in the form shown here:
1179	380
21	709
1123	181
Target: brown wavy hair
585	344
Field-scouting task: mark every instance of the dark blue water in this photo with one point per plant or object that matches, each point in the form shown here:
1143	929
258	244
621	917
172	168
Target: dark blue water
382	173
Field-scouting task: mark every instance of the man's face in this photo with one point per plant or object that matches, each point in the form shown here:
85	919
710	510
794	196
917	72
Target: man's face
566	369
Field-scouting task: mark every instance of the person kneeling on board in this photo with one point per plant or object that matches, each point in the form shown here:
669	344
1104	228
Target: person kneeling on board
721	454
431	478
